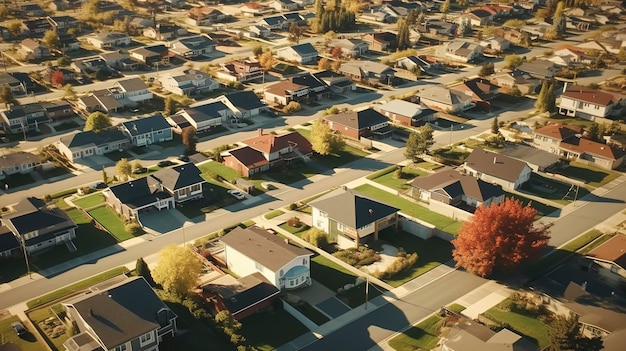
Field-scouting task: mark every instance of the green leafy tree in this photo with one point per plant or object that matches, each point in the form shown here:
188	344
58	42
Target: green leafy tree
64	61
142	269
257	50
418	143
97	122
177	270
323	140
465	28
513	61
230	326
69	93
564	335
169	106
137	164
124	168
546	100
402	39
6	96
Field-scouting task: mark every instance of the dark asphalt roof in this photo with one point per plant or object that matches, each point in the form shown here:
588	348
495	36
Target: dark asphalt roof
242	293
304	49
495	164
139	192
87	138
178	177
245	100
455	184
7	240
146	125
31	215
358	120
207	111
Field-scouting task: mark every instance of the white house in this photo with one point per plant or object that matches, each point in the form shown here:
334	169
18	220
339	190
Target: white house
18	162
586	103
189	83
254	249
84	144
496	168
301	53
206	116
129	91
148	130
460	50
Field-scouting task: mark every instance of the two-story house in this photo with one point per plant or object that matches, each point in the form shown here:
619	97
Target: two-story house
381	41
33	49
147	130
460	50
63	23
244	104
152	55
193	47
17	87
81	145
24	118
240	71
587	103
367	71
108	40
366	123
350	219
251	250
124	316
440	98
189	83
131	91
480	90
266	151
20	162
607	262
284	92
496	168
37	227
164	31
304	54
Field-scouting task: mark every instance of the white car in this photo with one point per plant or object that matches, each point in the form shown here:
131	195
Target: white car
237	194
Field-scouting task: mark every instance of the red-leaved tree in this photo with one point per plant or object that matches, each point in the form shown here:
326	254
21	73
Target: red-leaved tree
336	52
499	238
57	79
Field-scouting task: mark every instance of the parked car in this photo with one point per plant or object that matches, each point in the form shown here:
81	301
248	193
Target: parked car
268	186
140	170
237	194
165	163
183	158
99	185
19	329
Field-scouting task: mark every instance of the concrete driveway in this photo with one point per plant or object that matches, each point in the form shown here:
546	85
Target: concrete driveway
163	221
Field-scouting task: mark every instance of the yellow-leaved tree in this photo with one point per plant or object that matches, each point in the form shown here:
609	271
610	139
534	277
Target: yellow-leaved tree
177	270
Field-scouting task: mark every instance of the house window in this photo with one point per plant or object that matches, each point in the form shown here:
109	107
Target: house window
614	269
340	227
160	132
121	348
146	339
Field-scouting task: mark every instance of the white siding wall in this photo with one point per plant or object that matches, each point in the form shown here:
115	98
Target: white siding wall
320	221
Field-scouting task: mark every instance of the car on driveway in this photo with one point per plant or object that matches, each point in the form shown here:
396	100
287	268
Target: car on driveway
19	329
165	163
183	158
99	185
268	186
140	170
237	194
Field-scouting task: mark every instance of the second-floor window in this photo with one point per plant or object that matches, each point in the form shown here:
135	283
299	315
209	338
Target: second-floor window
121	348
146	338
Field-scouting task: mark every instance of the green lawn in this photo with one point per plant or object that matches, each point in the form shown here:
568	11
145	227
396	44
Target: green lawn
423	336
111	221
542	209
560	189
593	176
274	214
427	165
270	329
292	173
454	156
411	208
219	169
346	155
431	253
89	201
390	180
293	230
7	335
40	315
526	325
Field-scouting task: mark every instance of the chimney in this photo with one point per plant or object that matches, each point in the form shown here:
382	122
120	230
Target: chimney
91	312
565	87
495	159
260	131
371	211
584	286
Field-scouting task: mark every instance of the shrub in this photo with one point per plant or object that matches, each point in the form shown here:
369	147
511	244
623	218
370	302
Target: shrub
402	262
294	222
292	206
292	107
358	257
315	237
133	228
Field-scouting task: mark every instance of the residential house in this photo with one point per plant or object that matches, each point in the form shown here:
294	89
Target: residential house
587	103
367	123
304	54
17	86
147	130
317	88
381	41
19	162
516	79
350	48
253	9
36	27
131	91
495	43
538	160
377	16
127	315
204	117
204	16
573	54
160	190
477	17
244	104
241	297
189	83
456	189
274	23
63	23
164	31
405	113
416	63
607	262
90	65
438	28
68	42
9	246
267	151
460	50
37	227
32	49
443	99
240	71
260	31
109	40
68	75
567	141
99	100
367	71
350	219
152	55
496	168
255	250
32	10
284	92
193	47
59	5
81	145
283	5
514	35
540	69
468	335
23	118
119	61
480	90
335	82
56	110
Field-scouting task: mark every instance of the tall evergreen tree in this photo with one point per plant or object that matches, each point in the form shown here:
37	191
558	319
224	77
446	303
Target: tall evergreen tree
559	22
402	39
495	127
142	269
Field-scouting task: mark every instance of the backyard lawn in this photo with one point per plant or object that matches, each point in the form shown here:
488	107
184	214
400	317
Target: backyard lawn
346	155
542	209
270	329
591	175
411	208
89	201
389	179
295	230
42	314
524	324
28	343
111	221
555	190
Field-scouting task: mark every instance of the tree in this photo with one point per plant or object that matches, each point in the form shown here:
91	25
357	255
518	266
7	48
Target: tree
546	100
402	39
495	127
462	3
559	22
418	143
445	7
51	39
230	326
525	41
137	164
295	32
124	168
6	96
105	177
512	61
64	61
4	12
486	69
514	23
188	135
177	270
69	93
266	60
57	79
564	334
257	50
465	28
336	52
97	121
329	36
323	140
169	106
499	238
142	269
15	28
323	64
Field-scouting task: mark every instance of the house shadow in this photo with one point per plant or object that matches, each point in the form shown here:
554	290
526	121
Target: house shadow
601	199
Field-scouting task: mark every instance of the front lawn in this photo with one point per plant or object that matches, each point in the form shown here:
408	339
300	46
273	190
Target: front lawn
295	230
520	322
411	208
7	335
542	209
555	190
111	221
591	175
274	214
45	314
391	180
89	201
423	336
270	329
219	169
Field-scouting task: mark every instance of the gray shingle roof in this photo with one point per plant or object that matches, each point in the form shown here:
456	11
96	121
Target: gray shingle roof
178	177
495	164
245	100
456	184
31	215
133	84
87	138
206	112
139	192
402	107
146	125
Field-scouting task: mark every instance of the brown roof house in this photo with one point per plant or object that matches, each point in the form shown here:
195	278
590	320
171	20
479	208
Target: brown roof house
32	49
509	80
266	151
366	123
405	112
350	218
567	141
496	168
255	250
471	336
240	71
125	316
382	41
587	103
285	91
608	261
440	98
367	70
480	90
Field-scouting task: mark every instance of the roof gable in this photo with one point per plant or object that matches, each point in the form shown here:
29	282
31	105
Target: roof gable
465	185
352	209
178	177
146	125
494	164
358	119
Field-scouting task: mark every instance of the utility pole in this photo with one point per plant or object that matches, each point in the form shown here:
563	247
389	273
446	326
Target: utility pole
23	242
367	286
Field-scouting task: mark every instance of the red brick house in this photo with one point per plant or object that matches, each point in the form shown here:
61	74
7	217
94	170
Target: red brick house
367	123
480	90
266	151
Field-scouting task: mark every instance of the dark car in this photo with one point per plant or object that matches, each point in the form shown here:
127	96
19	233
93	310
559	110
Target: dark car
183	158
165	163
140	170
99	185
18	328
